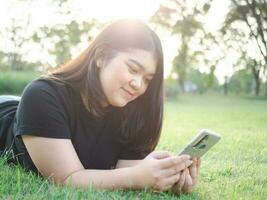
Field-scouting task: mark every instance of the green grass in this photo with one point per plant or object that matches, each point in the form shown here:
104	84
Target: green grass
236	168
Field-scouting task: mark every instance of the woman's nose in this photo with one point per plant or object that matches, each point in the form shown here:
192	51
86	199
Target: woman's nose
136	83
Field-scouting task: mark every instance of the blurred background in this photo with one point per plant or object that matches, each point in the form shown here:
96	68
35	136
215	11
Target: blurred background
210	46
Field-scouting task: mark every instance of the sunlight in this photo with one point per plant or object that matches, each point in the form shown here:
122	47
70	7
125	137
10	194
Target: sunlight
111	10
102	10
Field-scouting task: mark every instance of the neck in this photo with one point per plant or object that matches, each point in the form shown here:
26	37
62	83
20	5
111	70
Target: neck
85	103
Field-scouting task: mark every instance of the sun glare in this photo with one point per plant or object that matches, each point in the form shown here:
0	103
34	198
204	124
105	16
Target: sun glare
116	9
101	10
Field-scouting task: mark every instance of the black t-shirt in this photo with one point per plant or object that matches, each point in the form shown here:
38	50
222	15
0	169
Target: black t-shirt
52	109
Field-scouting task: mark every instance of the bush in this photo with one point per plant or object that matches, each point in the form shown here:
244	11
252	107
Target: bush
241	82
171	88
13	82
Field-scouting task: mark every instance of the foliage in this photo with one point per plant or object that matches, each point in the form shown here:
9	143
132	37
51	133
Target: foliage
17	35
241	82
14	82
252	14
204	81
3	65
183	21
56	41
171	89
63	37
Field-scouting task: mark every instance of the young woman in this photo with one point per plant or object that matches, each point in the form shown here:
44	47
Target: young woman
97	119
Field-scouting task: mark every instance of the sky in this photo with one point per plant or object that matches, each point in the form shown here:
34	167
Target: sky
42	13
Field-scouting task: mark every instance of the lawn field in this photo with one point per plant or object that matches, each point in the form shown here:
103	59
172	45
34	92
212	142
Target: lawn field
236	168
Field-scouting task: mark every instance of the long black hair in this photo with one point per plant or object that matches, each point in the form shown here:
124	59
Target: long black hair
140	121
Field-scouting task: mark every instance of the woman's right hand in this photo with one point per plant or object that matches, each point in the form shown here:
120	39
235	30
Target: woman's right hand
160	170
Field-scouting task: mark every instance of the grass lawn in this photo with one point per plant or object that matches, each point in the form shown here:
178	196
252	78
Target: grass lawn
236	168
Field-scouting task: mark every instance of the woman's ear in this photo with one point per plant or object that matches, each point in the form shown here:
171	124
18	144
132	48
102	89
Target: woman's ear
99	62
100	56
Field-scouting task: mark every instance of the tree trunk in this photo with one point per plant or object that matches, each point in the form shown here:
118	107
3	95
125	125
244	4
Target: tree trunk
181	84
256	77
225	86
257	86
265	70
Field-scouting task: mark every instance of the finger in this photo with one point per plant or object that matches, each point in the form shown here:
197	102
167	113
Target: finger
160	154
175	161
198	162
176	188
188	186
170	181
193	170
181	181
184	165
193	173
167	172
187	189
195	160
188	179
198	166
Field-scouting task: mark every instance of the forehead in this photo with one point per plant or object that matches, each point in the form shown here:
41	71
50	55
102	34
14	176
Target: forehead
143	57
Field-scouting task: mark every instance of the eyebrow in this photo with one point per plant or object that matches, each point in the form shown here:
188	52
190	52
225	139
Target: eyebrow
140	65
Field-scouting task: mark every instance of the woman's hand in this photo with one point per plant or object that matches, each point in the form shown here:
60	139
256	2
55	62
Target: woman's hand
160	170
188	179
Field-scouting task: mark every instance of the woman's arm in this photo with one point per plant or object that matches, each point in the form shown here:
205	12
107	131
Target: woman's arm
127	163
57	159
123	178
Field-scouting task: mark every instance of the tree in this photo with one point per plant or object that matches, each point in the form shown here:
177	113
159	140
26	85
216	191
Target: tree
255	67
16	37
252	13
2	60
183	21
241	82
55	40
63	37
204	81
241	43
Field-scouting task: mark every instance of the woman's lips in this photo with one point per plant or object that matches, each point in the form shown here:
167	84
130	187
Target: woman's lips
128	94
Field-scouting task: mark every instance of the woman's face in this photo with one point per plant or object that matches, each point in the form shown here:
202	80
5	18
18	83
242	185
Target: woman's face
126	76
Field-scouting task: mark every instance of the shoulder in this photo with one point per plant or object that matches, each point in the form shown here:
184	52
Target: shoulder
44	109
47	88
43	84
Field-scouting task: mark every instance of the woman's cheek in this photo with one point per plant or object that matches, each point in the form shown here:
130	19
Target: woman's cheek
124	76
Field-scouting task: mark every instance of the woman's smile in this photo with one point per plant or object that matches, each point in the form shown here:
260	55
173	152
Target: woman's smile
127	94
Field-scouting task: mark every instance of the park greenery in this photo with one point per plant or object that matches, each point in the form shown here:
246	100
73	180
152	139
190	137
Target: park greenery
243	32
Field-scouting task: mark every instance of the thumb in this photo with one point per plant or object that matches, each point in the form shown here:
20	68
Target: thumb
160	154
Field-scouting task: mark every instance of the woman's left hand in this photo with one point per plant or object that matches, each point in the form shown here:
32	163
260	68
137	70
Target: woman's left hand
188	178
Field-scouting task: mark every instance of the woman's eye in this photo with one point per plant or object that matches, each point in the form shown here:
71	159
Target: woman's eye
132	69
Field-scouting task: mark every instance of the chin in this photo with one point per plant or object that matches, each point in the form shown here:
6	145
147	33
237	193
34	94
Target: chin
122	104
119	103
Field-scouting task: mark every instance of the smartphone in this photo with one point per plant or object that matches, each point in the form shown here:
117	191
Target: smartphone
201	143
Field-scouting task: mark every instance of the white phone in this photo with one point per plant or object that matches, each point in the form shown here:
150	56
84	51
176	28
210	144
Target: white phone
201	143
